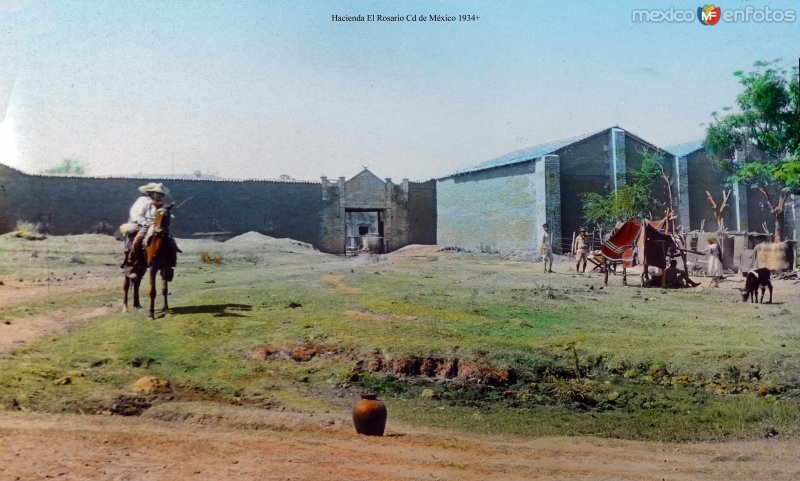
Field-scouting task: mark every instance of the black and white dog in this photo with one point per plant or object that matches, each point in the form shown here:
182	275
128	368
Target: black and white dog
758	278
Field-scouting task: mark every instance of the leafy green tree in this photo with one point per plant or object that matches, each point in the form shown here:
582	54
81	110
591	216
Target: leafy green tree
631	201
766	129
67	167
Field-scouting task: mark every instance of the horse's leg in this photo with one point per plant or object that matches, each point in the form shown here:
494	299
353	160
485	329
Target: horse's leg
165	292
606	267
125	287
624	275
153	272
136	284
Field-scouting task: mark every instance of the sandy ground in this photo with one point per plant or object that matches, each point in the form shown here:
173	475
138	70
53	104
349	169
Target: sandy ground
302	446
38	446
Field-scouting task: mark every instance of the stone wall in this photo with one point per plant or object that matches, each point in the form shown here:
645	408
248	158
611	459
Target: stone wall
422	216
72	205
704	174
309	212
407	210
493	210
586	166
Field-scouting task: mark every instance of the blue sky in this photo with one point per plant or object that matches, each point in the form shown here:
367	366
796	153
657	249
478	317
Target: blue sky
258	89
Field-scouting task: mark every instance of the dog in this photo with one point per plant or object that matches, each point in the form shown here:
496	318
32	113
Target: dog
758	278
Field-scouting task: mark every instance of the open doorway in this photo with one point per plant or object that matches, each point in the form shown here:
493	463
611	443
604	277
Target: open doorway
364	230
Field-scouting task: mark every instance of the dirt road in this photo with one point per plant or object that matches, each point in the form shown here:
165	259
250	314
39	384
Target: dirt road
39	446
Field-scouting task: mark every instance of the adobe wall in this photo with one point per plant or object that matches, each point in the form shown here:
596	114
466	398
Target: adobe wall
72	205
634	152
585	167
706	175
305	211
494	209
422	216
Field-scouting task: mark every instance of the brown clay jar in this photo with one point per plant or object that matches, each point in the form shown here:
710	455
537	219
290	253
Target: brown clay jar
369	415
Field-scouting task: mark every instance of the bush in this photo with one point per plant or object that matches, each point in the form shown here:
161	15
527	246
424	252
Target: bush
28	231
211	258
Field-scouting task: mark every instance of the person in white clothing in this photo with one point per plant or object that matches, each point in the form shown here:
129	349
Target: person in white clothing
142	214
581	250
546	248
714	269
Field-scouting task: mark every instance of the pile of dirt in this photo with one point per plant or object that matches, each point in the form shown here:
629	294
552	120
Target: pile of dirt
417	250
250	247
249	238
255	238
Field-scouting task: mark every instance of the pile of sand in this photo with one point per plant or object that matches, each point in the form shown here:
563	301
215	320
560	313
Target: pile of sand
249	239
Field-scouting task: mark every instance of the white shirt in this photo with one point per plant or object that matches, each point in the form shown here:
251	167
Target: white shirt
143	212
546	245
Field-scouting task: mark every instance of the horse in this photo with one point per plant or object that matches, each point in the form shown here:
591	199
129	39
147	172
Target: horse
160	255
138	270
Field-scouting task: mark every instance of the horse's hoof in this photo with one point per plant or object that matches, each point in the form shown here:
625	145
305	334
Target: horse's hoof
125	310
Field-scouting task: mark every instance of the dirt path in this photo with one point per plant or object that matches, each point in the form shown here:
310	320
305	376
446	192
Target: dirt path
40	446
11	294
17	333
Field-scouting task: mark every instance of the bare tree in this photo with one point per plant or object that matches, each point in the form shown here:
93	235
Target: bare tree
718	211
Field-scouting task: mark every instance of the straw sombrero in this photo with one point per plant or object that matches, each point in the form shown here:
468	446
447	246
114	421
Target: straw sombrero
154	187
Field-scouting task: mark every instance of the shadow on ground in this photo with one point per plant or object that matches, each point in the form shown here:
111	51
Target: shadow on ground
218	310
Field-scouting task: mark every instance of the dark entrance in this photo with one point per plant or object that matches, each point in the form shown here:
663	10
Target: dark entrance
364	230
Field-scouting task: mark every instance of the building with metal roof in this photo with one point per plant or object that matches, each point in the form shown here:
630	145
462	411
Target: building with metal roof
501	204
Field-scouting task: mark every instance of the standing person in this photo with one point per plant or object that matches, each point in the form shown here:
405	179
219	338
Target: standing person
143	214
714	269
547	248
581	250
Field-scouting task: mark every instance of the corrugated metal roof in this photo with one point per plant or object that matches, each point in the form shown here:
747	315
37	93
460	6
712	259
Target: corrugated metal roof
529	153
685	148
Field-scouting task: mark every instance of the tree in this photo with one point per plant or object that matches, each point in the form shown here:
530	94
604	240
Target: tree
766	129
631	201
67	167
719	210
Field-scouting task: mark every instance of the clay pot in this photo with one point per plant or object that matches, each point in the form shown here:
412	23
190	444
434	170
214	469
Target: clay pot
369	415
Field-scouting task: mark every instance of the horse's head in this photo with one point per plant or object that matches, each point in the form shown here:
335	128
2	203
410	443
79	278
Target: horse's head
163	216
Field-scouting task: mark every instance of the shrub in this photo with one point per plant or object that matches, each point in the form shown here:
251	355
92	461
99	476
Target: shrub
28	231
211	258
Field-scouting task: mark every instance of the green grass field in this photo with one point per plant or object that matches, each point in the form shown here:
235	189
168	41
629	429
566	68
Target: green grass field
585	359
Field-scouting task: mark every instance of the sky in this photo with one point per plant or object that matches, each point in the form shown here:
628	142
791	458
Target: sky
260	89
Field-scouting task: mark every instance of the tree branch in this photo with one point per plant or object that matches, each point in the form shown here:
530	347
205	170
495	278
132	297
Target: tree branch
711	199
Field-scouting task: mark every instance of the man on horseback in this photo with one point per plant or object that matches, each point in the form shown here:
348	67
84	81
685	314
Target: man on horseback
142	215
